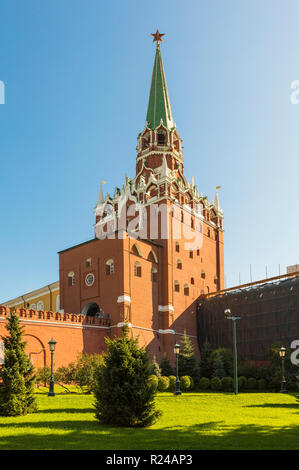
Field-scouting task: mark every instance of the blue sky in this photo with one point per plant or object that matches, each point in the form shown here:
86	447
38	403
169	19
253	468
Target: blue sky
77	76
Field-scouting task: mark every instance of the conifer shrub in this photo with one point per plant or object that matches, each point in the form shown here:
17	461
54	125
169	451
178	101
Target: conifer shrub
172	382
227	384
185	383
17	374
242	383
153	379
43	376
124	395
163	384
215	384
155	368
252	383
165	367
188	365
85	371
204	384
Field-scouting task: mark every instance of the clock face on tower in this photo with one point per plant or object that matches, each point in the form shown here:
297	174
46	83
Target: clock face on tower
89	279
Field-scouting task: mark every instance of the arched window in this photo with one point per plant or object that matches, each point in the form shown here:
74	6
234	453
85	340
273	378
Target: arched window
33	306
154	274
136	250
192	280
40	305
176	286
109	266
179	264
137	269
190	254
71	278
186	289
203	274
161	138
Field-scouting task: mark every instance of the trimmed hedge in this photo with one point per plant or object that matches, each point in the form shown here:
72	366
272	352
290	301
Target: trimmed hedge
163	384
153	379
172	381
185	382
242	383
227	384
204	383
215	384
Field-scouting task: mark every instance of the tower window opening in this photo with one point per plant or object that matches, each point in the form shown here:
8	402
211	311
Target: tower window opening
161	138
71	278
110	267
137	269
88	262
179	264
154	274
186	289
192	280
176	286
190	254
177	247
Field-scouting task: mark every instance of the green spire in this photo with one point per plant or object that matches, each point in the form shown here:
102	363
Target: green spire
159	104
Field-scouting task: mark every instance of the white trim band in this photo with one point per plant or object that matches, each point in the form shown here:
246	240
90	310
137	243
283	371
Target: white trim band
123	298
165	308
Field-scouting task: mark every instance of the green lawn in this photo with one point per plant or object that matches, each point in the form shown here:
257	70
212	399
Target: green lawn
190	421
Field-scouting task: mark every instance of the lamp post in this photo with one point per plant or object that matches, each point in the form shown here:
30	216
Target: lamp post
282	353
177	383
229	316
52	344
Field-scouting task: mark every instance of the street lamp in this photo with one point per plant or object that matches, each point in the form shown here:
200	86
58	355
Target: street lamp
52	344
282	353
177	383
229	316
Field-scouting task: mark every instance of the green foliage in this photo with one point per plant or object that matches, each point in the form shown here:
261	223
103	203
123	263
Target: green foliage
65	374
218	366
124	396
43	376
215	384
261	384
205	366
17	373
227	384
227	359
185	383
188	364
165	367
252	383
172	382
204	383
85	370
153	380
163	384
155	368
242	383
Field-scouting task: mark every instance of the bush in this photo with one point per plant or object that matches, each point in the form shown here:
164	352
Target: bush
227	384
163	384
227	359
172	382
261	384
85	371
242	383
204	383
215	384
153	380
43	376
252	383
165	367
185	383
123	393
65	374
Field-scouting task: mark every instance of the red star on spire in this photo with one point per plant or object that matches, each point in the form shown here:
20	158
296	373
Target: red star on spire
157	36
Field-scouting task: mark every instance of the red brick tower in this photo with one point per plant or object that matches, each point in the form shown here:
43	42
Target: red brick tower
158	245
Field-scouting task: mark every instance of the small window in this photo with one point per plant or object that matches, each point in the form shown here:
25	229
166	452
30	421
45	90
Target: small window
177	247
88	262
192	281
137	269
176	286
161	138
33	306
203	274
182	216
198	252
190	254
71	278
209	232
186	289
179	264
109	267
192	222
154	274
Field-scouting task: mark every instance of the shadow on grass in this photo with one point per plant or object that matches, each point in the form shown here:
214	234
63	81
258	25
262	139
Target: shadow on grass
90	435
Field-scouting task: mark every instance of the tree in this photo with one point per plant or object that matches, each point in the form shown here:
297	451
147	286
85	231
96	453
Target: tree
124	394
165	366
17	373
155	369
204	366
227	359
85	371
218	367
187	362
